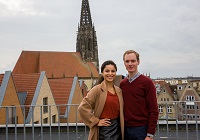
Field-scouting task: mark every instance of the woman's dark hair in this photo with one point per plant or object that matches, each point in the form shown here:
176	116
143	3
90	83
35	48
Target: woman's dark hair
108	62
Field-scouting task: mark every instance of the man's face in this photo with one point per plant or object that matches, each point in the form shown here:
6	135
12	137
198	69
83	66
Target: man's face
131	63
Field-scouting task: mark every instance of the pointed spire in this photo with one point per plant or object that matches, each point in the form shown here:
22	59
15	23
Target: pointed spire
85	18
86	42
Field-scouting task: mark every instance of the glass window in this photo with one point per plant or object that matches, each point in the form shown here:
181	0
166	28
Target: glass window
45	103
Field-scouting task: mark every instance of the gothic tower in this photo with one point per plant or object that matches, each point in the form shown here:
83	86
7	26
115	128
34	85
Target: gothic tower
86	42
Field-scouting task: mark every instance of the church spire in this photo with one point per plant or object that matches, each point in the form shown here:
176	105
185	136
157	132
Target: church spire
86	42
85	18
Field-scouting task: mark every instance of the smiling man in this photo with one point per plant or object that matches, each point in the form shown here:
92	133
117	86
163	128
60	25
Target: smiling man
140	104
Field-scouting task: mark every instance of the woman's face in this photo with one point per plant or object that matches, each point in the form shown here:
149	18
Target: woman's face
109	73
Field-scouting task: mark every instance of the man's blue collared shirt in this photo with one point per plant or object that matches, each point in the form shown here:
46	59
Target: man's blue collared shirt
134	77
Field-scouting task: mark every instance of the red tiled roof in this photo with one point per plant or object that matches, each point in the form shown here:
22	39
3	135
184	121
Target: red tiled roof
1	78
167	86
55	64
61	90
173	88
26	83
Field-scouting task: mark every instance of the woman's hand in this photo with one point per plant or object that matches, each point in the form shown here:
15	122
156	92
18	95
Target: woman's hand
104	122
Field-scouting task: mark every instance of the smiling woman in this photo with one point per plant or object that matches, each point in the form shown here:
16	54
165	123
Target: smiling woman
105	101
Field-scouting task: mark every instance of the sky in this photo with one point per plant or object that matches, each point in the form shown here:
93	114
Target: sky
166	33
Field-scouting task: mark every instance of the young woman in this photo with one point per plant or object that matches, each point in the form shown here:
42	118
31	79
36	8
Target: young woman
102	109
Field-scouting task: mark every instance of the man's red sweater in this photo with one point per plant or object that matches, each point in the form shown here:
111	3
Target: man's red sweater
140	103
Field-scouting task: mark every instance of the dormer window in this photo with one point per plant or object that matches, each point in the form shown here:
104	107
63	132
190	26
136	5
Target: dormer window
190	98
179	88
164	91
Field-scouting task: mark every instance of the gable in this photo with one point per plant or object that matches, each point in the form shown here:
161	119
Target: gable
189	94
165	94
8	97
42	91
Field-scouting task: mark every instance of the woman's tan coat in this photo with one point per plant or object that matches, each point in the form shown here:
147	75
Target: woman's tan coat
92	106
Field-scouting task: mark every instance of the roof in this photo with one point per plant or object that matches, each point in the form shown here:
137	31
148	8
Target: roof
55	64
167	87
1	78
26	83
173	88
61	91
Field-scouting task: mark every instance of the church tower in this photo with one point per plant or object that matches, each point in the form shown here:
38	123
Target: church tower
86	42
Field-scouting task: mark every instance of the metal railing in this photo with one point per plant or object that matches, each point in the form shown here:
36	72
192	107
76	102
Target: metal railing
62	122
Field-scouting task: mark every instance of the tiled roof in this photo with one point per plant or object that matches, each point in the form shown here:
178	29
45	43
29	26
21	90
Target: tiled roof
173	88
55	64
189	92
168	88
1	78
26	83
61	90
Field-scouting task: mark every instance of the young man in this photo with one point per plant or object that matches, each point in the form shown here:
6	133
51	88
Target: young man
140	104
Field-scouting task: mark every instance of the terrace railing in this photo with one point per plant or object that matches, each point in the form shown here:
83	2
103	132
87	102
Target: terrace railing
177	121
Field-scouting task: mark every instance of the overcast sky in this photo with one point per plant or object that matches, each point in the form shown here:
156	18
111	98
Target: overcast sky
166	33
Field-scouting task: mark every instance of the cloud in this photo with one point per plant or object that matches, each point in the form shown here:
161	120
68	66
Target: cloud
18	8
164	32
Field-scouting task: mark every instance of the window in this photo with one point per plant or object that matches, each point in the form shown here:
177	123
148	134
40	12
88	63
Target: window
183	105
180	88
45	120
190	98
11	114
191	116
82	91
190	107
45	103
164	91
54	119
160	108
169	109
